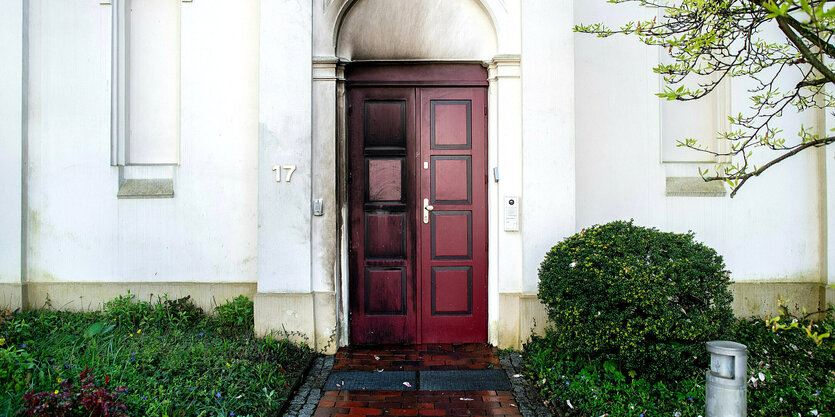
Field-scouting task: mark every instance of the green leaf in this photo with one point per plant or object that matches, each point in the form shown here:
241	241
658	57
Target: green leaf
94	329
610	367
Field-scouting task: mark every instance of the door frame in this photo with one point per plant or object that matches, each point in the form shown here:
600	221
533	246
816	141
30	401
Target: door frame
402	74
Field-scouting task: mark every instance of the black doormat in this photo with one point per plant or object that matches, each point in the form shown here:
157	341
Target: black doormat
456	380
372	381
479	380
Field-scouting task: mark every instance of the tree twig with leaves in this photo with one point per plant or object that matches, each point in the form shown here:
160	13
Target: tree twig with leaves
709	41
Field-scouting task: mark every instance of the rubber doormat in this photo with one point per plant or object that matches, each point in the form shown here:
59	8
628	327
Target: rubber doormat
372	381
480	380
453	380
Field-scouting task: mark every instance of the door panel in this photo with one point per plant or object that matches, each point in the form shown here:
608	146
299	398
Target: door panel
418	221
381	125
452	244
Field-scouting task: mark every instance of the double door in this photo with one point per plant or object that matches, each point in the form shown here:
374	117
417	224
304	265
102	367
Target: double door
418	219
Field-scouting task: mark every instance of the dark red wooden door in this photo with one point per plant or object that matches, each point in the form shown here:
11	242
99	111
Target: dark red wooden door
453	226
381	140
417	203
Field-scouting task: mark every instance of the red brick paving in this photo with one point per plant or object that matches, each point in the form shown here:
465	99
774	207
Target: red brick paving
417	403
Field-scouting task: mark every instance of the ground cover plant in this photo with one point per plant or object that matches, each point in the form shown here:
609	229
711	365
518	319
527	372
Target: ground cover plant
788	375
160	358
630	309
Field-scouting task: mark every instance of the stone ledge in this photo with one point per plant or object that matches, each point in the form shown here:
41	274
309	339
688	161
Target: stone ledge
289	314
694	187
308	318
760	298
11	295
146	188
85	296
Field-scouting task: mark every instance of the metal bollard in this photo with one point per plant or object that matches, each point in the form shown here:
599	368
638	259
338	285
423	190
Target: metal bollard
727	385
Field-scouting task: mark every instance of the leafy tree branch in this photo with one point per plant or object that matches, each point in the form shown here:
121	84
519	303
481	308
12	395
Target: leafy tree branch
709	41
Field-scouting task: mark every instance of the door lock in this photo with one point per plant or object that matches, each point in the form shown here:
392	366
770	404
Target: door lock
426	209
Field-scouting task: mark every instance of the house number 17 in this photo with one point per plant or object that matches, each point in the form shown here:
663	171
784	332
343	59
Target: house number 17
290	169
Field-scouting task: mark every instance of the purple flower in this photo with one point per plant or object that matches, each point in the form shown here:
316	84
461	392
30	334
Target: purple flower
231	413
217	395
201	333
690	399
23	345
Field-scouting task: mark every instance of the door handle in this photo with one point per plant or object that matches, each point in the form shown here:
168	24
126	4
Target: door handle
426	209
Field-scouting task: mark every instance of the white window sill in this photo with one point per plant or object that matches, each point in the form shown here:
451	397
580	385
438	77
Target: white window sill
146	188
694	187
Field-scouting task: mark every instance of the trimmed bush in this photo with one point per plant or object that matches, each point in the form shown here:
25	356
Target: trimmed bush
643	299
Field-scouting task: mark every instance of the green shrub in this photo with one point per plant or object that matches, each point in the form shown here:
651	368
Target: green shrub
15	368
176	313
575	387
645	299
87	399
789	374
206	367
238	312
125	310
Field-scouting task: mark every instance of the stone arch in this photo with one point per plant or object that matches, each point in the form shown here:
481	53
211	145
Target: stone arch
463	30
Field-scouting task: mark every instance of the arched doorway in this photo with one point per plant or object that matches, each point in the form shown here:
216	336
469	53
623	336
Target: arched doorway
416	274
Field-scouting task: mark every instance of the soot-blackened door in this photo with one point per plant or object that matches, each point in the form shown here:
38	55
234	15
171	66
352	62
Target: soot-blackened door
382	138
417	202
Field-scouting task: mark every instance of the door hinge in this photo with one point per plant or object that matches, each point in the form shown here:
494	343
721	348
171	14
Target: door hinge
349	178
351	109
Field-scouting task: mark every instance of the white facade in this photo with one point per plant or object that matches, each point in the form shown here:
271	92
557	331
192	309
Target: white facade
574	129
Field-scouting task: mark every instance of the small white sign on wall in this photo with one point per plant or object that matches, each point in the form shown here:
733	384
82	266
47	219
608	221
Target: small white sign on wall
511	213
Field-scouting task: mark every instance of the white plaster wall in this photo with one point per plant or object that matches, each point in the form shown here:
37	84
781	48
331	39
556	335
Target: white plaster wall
11	81
417	29
547	131
770	231
284	114
79	230
328	16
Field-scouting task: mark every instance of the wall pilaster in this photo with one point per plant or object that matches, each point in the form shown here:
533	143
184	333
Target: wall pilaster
13	144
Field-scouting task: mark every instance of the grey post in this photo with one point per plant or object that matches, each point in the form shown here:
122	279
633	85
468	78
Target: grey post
727	384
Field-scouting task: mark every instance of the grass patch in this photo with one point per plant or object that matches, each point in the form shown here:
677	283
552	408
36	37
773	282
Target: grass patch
789	374
170	357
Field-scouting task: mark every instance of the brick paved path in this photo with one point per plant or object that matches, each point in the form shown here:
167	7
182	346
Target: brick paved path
407	403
